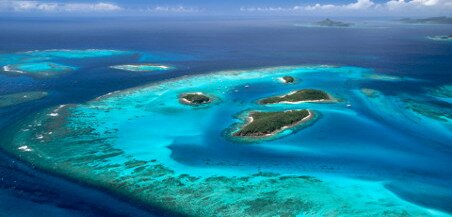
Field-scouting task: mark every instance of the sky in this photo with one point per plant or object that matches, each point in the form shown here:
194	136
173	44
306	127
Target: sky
380	8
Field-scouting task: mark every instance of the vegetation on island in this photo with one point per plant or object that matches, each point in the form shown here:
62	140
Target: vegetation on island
306	95
195	99
263	124
331	23
288	79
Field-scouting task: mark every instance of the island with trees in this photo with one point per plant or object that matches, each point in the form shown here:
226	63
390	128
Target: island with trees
288	79
265	124
306	95
197	98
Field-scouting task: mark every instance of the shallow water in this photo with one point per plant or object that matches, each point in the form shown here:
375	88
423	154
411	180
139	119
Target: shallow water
376	145
140	137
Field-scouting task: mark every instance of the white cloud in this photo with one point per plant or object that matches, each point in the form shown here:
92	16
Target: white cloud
254	9
360	4
24	6
395	4
415	7
173	9
319	7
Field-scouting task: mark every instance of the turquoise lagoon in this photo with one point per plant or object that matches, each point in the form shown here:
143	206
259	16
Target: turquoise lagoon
143	144
38	68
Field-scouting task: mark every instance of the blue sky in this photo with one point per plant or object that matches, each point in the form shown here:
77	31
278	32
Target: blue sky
399	8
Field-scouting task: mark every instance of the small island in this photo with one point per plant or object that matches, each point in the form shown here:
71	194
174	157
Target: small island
194	99
331	23
306	95
266	124
287	79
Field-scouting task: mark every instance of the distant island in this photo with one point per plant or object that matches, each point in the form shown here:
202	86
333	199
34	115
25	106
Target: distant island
440	38
288	79
429	20
307	95
265	124
331	23
197	98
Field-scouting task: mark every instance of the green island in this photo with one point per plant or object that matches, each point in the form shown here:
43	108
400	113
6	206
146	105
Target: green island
331	23
194	98
264	124
306	95
288	79
18	98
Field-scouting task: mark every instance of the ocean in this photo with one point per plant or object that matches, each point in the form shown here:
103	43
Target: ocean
411	158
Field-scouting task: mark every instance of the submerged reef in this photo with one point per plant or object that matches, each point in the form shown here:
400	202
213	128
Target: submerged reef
142	67
143	144
307	95
76	54
369	92
195	98
18	98
428	109
264	124
443	93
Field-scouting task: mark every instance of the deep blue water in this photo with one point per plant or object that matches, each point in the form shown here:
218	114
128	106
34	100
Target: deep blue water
197	46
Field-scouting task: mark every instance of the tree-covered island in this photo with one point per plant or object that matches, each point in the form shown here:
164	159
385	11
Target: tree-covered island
288	79
194	98
264	124
306	95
